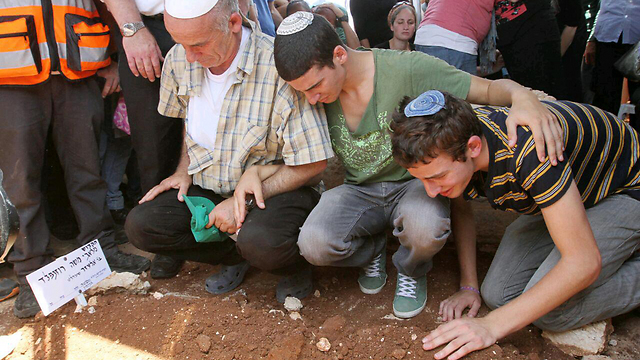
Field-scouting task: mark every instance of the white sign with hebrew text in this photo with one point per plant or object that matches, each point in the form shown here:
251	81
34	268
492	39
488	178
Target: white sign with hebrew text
68	276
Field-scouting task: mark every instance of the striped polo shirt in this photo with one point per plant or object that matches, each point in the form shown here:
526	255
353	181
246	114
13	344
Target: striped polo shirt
601	156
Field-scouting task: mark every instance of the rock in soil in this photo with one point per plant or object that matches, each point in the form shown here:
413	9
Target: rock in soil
204	343
323	345
292	303
596	357
332	327
590	339
398	354
121	282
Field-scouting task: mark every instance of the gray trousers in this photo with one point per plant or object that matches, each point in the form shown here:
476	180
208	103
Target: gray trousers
527	253
348	226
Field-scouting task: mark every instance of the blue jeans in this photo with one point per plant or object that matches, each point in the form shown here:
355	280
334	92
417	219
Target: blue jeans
463	61
527	253
348	226
115	152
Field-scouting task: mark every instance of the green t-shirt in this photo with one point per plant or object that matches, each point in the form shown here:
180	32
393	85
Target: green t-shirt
366	153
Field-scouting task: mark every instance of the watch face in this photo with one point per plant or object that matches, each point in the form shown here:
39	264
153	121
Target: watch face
128	29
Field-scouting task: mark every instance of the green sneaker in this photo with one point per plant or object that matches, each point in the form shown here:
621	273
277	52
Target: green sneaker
411	296
373	276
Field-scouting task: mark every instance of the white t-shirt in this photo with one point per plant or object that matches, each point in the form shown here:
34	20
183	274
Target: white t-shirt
203	111
434	35
150	7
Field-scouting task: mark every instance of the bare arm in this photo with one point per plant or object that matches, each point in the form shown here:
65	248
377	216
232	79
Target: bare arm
579	266
143	54
275	14
566	38
289	178
526	110
464	230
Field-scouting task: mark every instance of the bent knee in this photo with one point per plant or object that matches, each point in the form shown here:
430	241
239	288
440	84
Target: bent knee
316	245
264	252
135	228
492	295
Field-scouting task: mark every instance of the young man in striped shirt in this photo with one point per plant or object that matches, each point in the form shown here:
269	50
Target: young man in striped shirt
575	264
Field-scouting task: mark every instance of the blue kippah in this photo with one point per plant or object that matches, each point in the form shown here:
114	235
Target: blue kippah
428	103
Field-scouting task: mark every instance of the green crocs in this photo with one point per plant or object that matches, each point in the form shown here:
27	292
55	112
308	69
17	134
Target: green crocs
373	277
200	208
411	296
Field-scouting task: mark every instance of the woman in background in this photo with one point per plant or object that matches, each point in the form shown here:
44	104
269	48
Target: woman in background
402	22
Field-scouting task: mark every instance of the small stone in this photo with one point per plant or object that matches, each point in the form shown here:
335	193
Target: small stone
414	337
275	311
158	295
334	280
178	348
204	343
292	303
78	309
590	339
613	342
91	310
316	293
93	301
596	357
398	353
323	345
294	315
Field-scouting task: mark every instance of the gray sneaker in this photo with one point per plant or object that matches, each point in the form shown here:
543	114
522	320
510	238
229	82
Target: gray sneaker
373	277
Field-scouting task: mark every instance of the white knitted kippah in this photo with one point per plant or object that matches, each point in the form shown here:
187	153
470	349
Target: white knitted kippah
295	22
188	9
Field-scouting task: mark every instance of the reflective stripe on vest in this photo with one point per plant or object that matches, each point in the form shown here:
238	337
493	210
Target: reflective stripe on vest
81	40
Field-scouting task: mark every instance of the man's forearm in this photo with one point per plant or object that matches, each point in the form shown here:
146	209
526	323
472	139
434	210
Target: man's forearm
183	164
124	11
289	178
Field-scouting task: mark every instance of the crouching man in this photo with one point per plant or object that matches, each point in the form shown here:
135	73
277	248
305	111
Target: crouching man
239	118
577	261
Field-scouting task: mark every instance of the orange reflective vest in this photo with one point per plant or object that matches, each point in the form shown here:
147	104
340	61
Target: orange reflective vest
38	37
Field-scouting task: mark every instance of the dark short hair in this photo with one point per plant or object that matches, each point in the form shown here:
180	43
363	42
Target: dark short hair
417	139
303	4
295	54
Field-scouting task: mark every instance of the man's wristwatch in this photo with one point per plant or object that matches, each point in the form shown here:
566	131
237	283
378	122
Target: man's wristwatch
343	18
130	29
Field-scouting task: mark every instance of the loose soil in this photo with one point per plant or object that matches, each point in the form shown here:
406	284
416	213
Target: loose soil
189	323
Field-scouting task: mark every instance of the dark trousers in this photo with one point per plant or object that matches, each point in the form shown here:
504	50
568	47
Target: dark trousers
156	139
607	81
537	65
73	112
268	239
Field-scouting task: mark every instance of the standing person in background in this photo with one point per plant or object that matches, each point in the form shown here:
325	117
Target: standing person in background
402	21
268	16
156	139
616	30
54	91
338	18
529	41
370	20
452	30
573	38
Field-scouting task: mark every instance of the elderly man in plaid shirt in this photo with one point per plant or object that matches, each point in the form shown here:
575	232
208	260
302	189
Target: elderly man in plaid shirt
246	132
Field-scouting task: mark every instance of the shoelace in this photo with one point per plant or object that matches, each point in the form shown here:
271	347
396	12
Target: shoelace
407	286
374	268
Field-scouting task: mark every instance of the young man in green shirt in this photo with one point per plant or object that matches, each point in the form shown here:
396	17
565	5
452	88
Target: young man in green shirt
576	263
360	90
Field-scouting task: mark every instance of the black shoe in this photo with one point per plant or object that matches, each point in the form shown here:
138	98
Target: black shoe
26	305
298	285
119	216
119	236
8	289
121	262
164	267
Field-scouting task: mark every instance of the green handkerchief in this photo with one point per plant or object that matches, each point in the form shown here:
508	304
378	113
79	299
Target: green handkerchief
200	208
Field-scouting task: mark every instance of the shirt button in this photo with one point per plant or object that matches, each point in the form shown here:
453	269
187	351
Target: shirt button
626	16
